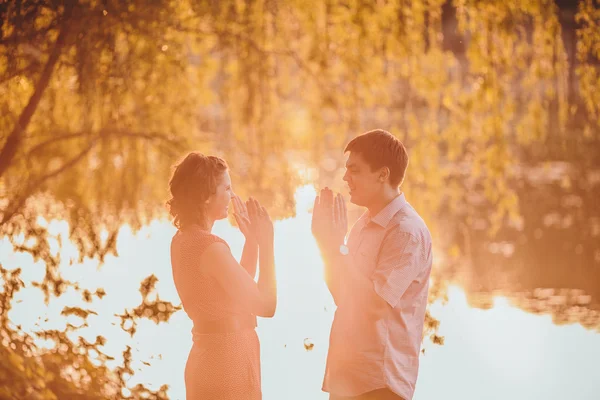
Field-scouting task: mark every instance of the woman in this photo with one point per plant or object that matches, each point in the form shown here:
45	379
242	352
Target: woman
218	294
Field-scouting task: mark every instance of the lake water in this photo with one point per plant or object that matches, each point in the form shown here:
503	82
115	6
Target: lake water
497	353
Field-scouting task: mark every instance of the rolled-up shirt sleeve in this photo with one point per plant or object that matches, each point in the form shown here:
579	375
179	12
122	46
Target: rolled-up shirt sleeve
399	263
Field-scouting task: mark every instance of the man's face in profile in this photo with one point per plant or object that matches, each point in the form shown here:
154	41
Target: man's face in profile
363	183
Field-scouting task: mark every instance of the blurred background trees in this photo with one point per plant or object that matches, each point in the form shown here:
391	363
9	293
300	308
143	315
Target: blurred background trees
497	103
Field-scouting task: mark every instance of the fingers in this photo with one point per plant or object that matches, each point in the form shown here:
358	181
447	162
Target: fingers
327	197
236	203
237	219
256	207
336	209
239	206
344	211
340	208
265	213
242	218
261	210
316	216
252	211
327	204
317	207
243	207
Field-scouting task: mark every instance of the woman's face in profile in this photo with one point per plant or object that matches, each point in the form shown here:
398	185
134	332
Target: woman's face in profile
218	204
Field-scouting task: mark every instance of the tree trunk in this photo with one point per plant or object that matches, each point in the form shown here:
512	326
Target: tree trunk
14	139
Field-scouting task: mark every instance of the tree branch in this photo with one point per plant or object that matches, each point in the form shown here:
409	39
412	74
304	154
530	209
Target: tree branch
17	37
240	36
15	205
14	139
103	133
25	70
53	140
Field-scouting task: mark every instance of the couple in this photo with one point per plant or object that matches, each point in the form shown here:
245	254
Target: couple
379	281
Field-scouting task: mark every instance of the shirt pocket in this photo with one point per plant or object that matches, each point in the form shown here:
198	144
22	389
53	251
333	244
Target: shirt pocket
366	256
368	247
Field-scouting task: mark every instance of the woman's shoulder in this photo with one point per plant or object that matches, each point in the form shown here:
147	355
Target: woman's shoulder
196	237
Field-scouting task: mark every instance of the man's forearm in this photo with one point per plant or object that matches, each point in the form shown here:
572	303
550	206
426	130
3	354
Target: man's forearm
334	279
345	282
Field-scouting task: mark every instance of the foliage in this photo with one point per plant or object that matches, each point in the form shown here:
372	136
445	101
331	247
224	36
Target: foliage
99	98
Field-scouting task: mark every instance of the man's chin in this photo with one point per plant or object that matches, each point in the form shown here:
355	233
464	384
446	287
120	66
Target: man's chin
354	199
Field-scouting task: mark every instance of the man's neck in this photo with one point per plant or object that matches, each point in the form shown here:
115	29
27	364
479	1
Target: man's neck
382	202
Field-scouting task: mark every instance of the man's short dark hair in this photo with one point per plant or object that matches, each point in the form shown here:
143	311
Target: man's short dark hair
380	149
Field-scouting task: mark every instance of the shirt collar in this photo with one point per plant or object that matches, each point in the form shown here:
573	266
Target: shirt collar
384	216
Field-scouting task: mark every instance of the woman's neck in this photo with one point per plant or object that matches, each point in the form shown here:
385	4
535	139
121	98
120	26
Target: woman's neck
209	225
206	226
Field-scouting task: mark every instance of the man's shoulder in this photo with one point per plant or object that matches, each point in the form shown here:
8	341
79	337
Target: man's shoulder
408	221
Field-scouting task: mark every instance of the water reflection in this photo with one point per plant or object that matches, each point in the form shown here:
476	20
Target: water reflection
497	353
507	353
546	258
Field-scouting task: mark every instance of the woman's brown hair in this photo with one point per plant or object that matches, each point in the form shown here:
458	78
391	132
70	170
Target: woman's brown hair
194	180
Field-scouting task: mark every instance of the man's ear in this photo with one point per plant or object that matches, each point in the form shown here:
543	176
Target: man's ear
384	174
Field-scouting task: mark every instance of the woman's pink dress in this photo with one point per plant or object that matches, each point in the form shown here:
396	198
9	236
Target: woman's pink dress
220	366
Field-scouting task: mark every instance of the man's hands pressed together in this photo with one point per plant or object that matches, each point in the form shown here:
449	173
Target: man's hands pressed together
346	284
329	222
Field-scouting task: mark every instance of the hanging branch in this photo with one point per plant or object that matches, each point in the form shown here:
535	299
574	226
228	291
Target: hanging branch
14	139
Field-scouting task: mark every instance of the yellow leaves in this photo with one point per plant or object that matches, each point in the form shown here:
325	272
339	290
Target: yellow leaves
566	182
48	395
308	344
148	285
77	311
437	339
5	392
454	252
16	361
533	125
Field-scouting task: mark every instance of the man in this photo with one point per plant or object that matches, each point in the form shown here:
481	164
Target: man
380	281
